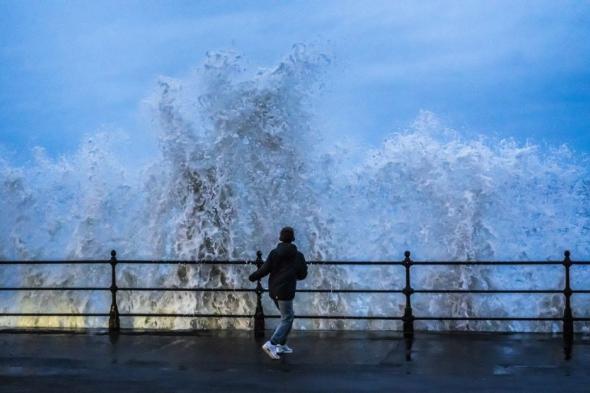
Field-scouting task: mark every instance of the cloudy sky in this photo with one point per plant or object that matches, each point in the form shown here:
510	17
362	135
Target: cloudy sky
509	69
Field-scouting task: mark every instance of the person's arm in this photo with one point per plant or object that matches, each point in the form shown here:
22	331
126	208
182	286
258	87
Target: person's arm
264	269
301	267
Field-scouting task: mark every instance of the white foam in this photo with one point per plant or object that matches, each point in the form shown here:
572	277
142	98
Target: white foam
240	158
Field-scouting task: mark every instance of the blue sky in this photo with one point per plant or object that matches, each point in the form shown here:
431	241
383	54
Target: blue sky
509	69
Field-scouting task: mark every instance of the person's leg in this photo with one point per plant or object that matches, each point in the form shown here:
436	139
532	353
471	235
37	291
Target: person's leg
281	332
290	316
275	333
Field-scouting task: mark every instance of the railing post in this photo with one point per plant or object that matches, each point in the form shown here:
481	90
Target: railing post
259	314
114	324
568	319
408	318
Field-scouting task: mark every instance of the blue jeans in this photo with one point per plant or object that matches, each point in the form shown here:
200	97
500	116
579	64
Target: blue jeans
287	316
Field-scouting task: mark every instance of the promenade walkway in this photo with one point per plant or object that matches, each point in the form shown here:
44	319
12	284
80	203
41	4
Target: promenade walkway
231	361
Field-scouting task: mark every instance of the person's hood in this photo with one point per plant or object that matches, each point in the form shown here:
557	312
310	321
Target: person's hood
286	250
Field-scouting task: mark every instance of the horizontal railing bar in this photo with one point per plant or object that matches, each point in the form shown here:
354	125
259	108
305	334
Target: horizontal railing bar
54	262
251	315
506	291
449	263
494	263
54	289
184	315
488	318
181	262
311	263
187	289
248	262
348	290
357	263
122	261
166	289
171	289
188	315
263	290
351	317
29	314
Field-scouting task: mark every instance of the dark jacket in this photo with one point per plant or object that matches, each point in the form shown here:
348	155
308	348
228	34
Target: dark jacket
286	265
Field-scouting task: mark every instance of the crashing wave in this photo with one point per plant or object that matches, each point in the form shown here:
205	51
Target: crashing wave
239	158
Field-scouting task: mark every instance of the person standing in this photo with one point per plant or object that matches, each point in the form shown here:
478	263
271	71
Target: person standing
286	265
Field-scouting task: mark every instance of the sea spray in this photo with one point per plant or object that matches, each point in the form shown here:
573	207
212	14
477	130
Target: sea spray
239	157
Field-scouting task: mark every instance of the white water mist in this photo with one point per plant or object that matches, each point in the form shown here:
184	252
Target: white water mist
239	158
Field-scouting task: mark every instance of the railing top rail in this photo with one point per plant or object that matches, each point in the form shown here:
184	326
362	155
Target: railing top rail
184	262
121	261
358	290
300	290
53	262
248	262
494	263
252	262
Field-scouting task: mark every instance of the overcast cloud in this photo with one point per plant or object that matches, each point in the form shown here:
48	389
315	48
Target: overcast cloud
512	69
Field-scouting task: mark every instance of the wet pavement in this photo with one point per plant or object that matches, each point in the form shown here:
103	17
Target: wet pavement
231	361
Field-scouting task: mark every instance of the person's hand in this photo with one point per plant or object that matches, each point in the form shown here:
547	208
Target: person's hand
251	278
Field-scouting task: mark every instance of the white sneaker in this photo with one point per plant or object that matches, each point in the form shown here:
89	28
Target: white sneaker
284	349
271	350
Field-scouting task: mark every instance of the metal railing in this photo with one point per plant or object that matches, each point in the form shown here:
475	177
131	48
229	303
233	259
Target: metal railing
407	318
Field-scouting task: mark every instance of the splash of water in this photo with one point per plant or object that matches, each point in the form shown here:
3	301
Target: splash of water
239	159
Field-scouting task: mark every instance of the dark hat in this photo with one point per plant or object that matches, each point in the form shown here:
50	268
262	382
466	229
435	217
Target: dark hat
287	235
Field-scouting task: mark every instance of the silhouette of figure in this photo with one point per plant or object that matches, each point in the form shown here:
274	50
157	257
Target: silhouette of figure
286	265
